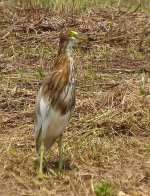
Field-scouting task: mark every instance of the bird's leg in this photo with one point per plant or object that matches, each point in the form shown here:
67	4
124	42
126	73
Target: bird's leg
60	152
40	173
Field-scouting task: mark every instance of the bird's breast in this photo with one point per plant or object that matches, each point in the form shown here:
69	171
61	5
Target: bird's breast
54	124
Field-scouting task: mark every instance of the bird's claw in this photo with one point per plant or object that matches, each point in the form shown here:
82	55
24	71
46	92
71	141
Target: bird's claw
41	176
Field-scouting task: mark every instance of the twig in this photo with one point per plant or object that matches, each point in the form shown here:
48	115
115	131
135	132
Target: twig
137	8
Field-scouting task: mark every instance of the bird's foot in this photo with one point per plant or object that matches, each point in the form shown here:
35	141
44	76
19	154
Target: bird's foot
41	176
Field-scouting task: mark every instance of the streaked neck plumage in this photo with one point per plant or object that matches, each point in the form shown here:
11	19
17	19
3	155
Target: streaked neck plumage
64	53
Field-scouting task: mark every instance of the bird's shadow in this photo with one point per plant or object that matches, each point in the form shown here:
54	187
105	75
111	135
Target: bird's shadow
54	165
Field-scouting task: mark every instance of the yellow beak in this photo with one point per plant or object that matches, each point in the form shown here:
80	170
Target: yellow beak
79	36
82	37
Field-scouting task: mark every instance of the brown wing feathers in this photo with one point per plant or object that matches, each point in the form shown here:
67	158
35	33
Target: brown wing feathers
55	86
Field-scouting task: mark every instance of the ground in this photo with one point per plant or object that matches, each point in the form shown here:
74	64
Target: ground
107	143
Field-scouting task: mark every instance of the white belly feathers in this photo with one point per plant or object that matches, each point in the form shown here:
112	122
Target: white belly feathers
53	123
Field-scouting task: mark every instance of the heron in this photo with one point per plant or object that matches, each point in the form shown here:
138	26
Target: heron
55	102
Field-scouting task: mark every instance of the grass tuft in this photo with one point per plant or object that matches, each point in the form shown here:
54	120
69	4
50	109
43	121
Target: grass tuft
104	189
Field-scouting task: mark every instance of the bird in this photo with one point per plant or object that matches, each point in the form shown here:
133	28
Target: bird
55	102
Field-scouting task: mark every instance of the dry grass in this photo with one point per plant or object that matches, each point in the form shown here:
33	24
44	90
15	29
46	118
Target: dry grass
85	5
107	144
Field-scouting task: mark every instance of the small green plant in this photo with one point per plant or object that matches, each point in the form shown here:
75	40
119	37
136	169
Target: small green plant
20	49
39	73
105	52
20	73
91	73
142	86
142	91
52	51
104	189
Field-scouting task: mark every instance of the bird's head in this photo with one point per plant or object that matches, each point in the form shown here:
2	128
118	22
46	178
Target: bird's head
72	36
68	38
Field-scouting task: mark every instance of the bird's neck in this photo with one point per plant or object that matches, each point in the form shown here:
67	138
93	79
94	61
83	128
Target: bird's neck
64	58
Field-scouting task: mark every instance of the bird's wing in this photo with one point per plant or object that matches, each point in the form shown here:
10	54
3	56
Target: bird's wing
41	110
43	101
56	93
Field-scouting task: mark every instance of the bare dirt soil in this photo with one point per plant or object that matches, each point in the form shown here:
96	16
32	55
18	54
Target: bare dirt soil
108	137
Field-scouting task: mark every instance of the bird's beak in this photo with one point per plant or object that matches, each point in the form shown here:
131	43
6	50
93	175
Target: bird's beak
82	37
